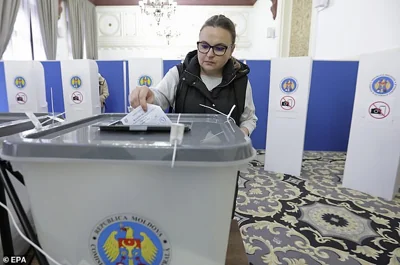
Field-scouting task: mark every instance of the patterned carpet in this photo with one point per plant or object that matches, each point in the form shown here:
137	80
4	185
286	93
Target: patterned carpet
313	220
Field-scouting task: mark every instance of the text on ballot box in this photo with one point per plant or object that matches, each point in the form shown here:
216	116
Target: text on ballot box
372	163
288	105
80	81
25	84
145	72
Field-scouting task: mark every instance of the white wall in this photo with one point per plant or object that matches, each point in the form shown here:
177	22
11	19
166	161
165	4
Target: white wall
125	32
348	28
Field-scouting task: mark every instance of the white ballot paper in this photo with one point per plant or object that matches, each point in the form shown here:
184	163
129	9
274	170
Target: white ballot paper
153	116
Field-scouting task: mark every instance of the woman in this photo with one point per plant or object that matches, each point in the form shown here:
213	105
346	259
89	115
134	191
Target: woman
208	76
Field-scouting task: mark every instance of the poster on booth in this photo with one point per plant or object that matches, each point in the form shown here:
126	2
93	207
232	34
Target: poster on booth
381	104
288	85
145	80
376	103
21	96
380	111
76	94
286	101
77	98
375	127
18	94
383	85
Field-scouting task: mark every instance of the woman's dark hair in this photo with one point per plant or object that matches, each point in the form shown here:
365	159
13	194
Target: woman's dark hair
221	21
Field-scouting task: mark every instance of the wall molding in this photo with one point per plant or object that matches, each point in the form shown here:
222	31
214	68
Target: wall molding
300	28
179	2
128	27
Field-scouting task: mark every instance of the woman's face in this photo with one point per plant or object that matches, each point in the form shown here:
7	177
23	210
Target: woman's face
212	60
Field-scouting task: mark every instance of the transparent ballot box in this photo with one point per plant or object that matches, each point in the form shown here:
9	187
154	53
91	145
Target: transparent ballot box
105	193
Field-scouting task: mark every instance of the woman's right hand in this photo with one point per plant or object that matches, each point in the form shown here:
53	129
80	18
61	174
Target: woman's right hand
141	95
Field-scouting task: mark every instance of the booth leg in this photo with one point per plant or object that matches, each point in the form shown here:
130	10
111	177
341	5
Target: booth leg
10	169
5	231
235	196
21	213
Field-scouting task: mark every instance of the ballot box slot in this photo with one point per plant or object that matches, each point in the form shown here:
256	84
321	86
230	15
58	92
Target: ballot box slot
11	123
118	126
68	127
9	116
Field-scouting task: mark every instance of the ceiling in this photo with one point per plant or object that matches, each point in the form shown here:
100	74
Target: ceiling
179	2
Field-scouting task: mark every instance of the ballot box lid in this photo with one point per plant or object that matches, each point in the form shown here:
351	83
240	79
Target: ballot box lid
11	123
212	138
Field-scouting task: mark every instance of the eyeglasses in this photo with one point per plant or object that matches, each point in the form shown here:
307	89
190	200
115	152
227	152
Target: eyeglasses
204	47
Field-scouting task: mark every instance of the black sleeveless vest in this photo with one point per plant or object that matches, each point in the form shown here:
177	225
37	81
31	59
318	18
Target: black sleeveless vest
191	91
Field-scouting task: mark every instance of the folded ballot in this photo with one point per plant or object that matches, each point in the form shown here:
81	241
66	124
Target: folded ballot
153	116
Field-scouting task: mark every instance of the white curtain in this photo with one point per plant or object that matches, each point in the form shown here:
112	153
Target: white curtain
47	12
19	45
90	15
75	25
8	15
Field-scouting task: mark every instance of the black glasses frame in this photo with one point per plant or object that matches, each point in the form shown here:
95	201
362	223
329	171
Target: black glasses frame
212	47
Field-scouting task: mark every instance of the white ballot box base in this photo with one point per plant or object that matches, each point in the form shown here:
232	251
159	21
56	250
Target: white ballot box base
190	206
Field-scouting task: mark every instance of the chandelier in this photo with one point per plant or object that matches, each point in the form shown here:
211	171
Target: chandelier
168	33
158	8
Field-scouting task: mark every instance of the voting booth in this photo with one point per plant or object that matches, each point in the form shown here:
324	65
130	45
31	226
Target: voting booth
373	155
287	114
145	72
25	86
116	199
80	81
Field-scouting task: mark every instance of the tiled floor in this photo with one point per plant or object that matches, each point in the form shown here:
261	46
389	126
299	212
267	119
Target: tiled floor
313	219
